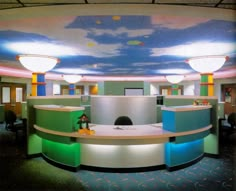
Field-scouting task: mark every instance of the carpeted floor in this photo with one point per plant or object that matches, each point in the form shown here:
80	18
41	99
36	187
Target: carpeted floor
19	173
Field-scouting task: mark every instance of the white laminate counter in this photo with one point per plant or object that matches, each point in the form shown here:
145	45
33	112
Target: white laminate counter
186	108
128	147
127	135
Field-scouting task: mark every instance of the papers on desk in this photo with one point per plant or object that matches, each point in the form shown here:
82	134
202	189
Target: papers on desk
124	128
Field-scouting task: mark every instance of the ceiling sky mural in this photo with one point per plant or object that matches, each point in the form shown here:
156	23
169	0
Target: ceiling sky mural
118	45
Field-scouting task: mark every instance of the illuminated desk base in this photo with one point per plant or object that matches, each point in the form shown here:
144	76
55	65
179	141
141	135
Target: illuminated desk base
136	147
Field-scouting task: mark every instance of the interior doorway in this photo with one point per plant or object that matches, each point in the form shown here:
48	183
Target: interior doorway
229	97
166	90
93	90
12	95
79	90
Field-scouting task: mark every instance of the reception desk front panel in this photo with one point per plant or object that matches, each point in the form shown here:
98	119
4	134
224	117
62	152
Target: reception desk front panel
185	118
182	153
58	118
62	153
172	143
137	146
60	149
187	148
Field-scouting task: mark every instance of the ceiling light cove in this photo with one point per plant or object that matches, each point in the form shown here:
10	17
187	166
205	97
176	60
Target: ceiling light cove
75	71
173	71
196	49
41	48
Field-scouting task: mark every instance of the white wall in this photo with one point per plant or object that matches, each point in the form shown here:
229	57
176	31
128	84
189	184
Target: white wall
193	87
26	81
190	87
50	84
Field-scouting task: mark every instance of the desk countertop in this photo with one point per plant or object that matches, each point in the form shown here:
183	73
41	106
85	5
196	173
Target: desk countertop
58	108
186	108
125	132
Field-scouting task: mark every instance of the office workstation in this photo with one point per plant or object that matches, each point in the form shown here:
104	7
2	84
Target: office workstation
140	86
145	144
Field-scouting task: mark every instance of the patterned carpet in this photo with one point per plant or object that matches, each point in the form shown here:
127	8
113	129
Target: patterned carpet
19	173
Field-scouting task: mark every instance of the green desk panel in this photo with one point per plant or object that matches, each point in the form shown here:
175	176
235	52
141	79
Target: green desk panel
58	120
66	154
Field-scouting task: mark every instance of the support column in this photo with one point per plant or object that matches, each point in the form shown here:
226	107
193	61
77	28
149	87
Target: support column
38	84
71	89
175	89
207	85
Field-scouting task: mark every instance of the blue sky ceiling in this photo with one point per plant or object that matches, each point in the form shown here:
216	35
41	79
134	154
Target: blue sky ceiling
118	45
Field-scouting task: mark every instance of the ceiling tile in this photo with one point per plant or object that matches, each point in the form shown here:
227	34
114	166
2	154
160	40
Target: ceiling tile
188	1
8	1
227	4
52	1
120	1
8	6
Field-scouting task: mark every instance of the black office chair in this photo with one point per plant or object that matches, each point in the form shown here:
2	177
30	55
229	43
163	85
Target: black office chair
123	120
13	124
229	127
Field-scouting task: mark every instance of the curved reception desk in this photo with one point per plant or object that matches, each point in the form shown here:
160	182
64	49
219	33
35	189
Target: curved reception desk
171	144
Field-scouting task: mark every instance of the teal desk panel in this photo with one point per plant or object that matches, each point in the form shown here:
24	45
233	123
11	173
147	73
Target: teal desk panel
188	138
179	154
185	120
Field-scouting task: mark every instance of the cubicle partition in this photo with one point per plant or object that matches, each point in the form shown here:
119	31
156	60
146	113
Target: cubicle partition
140	109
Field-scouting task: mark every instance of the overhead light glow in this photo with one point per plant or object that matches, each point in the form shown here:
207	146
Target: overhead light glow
207	64
72	79
75	71
203	48
196	49
174	79
41	48
173	71
37	63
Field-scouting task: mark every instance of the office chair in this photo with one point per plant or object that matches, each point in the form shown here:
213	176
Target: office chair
13	124
228	128
123	120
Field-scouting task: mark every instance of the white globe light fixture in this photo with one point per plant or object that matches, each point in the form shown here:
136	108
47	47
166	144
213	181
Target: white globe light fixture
174	80
206	65
39	65
72	79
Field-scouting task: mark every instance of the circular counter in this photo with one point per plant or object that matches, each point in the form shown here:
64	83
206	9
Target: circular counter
175	143
123	147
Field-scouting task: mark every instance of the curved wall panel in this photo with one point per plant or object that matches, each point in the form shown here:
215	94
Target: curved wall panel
141	109
122	156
